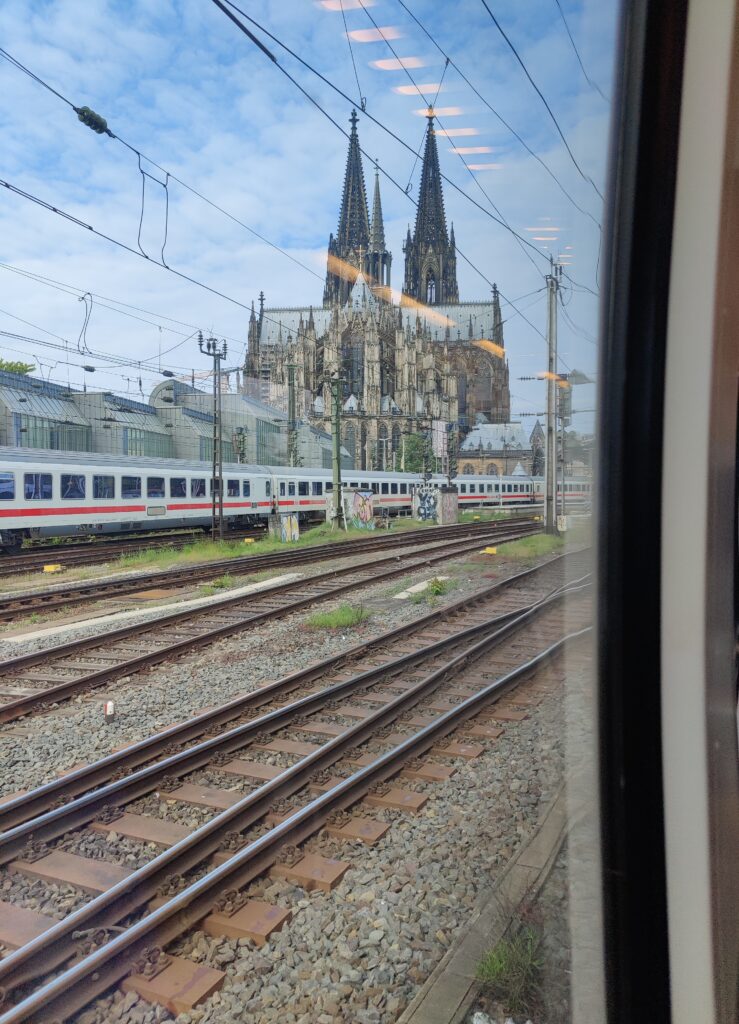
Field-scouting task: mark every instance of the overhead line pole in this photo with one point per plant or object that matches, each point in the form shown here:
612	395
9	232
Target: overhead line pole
210	347
553	278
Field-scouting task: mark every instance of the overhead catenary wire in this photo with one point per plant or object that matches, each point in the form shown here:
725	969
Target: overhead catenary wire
351	54
498	115
542	97
588	79
471	173
169	174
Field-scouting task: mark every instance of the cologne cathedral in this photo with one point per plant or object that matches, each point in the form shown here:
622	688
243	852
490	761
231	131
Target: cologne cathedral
406	358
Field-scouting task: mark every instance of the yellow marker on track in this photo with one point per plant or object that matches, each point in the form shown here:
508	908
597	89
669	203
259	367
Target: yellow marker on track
490	551
53	568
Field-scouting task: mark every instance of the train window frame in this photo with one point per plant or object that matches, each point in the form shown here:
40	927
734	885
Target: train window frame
197	487
178	483
77	482
329	486
384	488
393	487
364	486
132	489
109	482
232	483
497	488
404	488
215	486
155	487
283	490
291	488
268	488
463	488
39	483
303	489
5	479
354	484
246	488
316	488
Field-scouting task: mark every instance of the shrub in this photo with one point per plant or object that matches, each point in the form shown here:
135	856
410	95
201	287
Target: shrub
510	972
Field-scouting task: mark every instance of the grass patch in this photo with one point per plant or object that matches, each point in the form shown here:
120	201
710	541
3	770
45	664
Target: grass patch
344	617
224	582
483	515
532	547
510	972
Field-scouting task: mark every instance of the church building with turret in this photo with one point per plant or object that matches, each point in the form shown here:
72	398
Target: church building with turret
406	357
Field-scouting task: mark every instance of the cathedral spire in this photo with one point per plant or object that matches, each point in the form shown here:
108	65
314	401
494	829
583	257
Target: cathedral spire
430	257
353	234
497	318
377	237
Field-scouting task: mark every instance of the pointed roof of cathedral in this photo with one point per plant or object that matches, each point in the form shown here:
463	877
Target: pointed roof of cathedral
497	318
430	216
377	234
354	230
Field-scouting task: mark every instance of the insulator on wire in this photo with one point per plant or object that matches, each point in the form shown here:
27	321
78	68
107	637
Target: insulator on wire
92	120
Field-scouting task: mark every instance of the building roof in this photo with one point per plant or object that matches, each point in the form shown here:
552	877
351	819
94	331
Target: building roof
42	404
496	437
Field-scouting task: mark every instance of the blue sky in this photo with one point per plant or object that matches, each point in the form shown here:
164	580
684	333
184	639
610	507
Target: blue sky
179	82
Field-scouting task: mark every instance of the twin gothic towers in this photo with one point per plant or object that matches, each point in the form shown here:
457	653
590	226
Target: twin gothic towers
359	245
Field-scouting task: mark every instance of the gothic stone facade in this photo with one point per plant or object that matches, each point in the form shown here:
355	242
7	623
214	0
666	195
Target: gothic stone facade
405	359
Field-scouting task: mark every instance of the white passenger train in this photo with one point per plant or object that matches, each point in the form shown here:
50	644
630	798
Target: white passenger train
49	493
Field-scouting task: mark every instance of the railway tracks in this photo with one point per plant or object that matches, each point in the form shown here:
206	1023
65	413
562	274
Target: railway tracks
439	658
15	606
35	682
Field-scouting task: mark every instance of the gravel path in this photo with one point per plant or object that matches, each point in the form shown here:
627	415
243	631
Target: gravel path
360	953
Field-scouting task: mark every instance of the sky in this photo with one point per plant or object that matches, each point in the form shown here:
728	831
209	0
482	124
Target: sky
178	82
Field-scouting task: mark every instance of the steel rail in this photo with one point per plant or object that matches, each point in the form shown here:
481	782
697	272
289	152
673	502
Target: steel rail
36	802
58	820
41	700
93	974
15	605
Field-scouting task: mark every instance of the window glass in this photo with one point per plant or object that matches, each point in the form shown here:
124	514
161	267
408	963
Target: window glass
316	487
282	488
155	487
130	486
385	488
73	486
393	488
472	488
497	488
7	486
37	486
329	485
103	487
303	488
215	486
365	485
463	488
232	488
268	488
246	488
178	487
197	487
404	488
291	488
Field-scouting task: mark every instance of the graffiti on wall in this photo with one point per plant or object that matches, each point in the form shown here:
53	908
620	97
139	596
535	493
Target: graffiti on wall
289	528
360	510
426	498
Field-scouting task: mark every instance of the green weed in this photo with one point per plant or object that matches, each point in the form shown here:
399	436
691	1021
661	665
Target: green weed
510	972
344	617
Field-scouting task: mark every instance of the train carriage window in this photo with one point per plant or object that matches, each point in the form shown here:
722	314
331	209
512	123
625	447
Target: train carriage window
490	488
375	488
7	486
246	489
393	488
215	486
197	487
497	488
37	486
232	488
73	486
268	488
282	488
515	488
178	487
463	488
130	486
155	487
303	488
404	488
472	488
385	488
354	484
291	488
316	488
329	486
365	485
103	487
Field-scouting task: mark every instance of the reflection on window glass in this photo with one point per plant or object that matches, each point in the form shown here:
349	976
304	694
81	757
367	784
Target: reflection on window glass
155	487
7	486
37	486
130	486
73	486
103	487
178	487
